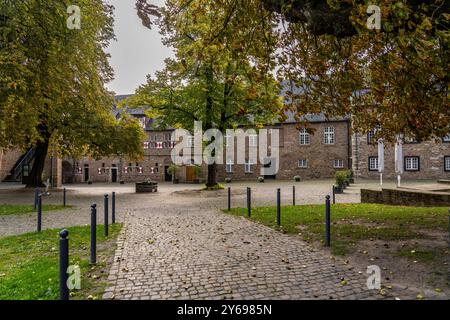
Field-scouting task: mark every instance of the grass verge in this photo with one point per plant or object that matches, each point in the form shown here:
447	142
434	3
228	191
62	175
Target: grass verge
10	209
29	265
353	223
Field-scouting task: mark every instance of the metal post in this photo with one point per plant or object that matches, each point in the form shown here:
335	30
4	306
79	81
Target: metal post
293	195
327	221
63	264
334	194
39	213
64	197
93	234
249	201
36	194
229	199
113	208
106	215
279	207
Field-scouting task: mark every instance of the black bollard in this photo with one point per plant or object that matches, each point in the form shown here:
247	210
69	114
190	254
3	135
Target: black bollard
327	221
36	195
64	197
39	213
334	194
229	199
293	195
249	201
63	264
93	234
113	208
106	215
279	207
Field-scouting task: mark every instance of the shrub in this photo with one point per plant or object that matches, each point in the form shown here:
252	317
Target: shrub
261	179
297	178
341	177
228	180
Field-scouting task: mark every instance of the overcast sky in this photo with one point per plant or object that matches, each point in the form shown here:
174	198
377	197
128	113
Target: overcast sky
137	52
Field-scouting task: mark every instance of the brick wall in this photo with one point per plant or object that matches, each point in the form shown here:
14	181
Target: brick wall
431	155
8	159
406	197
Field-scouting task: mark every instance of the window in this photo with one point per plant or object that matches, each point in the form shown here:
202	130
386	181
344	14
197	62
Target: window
447	163
329	135
153	137
446	138
249	166
190	142
227	140
146	145
156	169
338	164
167	137
253	140
370	136
304	137
302	163
412	164
230	165
159	145
373	164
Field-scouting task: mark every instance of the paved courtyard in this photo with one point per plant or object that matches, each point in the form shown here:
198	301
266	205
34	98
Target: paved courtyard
178	245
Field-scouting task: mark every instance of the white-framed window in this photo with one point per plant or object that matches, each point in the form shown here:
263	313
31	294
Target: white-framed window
227	140
329	135
159	145
190	141
412	164
373	164
338	164
447	163
446	138
370	136
302	163
304	137
253	140
230	166
167	137
249	166
153	137
146	145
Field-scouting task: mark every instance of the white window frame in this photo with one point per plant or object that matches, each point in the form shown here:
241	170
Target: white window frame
370	136
338	164
227	140
249	166
302	163
146	145
304	137
253	140
230	166
446	139
447	163
373	164
329	136
190	141
411	165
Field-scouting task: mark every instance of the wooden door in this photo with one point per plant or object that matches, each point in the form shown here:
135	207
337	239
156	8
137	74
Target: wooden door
190	174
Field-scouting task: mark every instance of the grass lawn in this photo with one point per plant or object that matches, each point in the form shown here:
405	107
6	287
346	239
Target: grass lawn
352	223
29	265
10	209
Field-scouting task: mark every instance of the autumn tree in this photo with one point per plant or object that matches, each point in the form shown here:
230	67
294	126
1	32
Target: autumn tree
52	83
216	76
395	77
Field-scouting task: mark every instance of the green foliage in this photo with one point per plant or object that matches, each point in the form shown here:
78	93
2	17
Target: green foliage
29	268
7	209
341	177
52	82
173	169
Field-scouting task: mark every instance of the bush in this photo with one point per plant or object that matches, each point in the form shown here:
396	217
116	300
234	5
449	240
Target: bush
261	179
228	180
341	177
297	178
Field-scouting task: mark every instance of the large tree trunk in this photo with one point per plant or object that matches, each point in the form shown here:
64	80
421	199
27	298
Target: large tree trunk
212	174
35	178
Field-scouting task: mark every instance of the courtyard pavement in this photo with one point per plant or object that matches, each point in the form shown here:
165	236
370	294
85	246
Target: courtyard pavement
176	244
